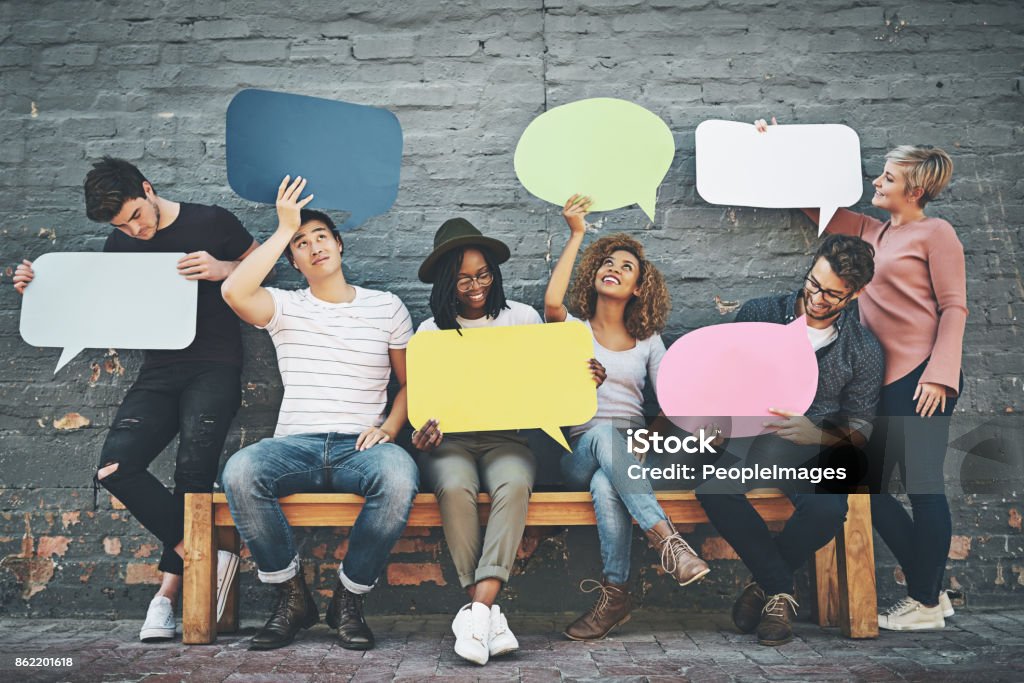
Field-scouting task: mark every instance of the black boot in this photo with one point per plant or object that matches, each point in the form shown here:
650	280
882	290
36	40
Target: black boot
294	610
345	613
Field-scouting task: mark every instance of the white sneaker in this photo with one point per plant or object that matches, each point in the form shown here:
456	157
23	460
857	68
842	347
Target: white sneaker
501	640
159	624
910	615
471	626
946	604
227	567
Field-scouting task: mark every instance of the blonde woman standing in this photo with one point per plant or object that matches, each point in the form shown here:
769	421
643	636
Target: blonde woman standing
917	307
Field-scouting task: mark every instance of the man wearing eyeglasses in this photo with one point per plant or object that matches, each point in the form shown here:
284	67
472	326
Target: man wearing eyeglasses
831	432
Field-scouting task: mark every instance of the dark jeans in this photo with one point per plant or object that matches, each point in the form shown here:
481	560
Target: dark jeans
197	401
816	520
773	561
916	446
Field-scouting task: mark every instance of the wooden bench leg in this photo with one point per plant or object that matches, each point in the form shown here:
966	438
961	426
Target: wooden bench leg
199	584
227	539
855	555
826	580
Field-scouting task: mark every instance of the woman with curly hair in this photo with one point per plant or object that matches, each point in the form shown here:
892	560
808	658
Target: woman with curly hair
622	299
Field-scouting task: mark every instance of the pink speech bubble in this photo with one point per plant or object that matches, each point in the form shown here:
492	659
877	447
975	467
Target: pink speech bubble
732	374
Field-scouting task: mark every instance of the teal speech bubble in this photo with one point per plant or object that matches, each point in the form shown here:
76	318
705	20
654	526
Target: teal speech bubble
351	154
614	151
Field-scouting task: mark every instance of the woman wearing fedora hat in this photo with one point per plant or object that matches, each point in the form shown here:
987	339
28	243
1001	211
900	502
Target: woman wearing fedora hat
622	299
467	293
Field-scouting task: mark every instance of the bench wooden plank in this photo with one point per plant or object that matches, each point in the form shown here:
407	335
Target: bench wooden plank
855	558
199	583
826	584
546	509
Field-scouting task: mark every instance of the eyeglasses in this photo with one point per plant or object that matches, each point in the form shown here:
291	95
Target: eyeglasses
830	297
465	283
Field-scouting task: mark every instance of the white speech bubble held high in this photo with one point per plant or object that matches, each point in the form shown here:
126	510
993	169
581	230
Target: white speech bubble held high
88	300
788	167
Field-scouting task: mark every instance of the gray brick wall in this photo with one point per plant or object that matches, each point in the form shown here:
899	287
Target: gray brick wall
151	82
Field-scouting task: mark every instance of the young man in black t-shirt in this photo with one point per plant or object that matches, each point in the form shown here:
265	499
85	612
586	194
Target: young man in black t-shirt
192	392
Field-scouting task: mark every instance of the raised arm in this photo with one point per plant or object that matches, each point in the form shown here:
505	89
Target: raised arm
242	290
574	212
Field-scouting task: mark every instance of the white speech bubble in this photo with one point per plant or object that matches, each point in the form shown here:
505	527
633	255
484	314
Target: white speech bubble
788	167
87	300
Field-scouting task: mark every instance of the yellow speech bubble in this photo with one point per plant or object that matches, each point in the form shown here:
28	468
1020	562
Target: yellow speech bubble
490	378
614	151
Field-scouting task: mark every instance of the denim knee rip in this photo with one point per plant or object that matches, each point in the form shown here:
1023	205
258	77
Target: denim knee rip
124	424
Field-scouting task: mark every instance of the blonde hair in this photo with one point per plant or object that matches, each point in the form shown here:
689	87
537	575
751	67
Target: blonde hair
927	167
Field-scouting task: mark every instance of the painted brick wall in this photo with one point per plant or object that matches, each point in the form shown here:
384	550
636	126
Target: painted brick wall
151	81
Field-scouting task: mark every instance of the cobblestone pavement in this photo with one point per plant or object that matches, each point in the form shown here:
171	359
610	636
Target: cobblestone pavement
983	646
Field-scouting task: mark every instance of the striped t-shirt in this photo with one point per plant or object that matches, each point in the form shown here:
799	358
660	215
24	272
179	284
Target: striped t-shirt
334	359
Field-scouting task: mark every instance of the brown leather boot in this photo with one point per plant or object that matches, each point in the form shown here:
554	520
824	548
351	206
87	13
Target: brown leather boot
776	627
746	611
611	609
677	557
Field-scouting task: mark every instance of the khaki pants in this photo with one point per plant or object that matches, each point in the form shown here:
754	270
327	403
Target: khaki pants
504	465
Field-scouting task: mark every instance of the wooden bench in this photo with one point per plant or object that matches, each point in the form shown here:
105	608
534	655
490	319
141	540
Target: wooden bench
844	570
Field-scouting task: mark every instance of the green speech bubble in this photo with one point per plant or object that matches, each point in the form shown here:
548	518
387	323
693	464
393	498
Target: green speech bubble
614	151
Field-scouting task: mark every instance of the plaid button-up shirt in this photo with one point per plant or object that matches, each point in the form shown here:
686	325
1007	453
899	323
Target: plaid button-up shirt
850	369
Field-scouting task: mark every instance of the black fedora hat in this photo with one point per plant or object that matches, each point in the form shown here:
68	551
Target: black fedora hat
456	233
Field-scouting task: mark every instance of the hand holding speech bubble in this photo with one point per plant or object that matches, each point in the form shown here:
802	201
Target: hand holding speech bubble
613	151
738	371
89	300
535	376
350	154
787	167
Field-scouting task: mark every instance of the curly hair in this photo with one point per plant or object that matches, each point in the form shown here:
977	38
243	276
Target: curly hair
851	258
646	313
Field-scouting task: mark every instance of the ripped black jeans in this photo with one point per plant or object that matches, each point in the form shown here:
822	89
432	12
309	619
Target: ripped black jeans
197	401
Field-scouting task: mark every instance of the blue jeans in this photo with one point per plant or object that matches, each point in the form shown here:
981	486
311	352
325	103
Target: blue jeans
599	461
256	476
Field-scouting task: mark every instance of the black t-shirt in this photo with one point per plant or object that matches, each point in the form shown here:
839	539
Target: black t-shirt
198	228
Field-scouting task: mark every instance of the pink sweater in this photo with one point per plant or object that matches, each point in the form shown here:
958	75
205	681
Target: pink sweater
917	302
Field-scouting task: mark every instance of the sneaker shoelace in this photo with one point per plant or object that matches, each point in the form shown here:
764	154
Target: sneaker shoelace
673	549
502	624
602	600
900	608
164	616
776	605
480	627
